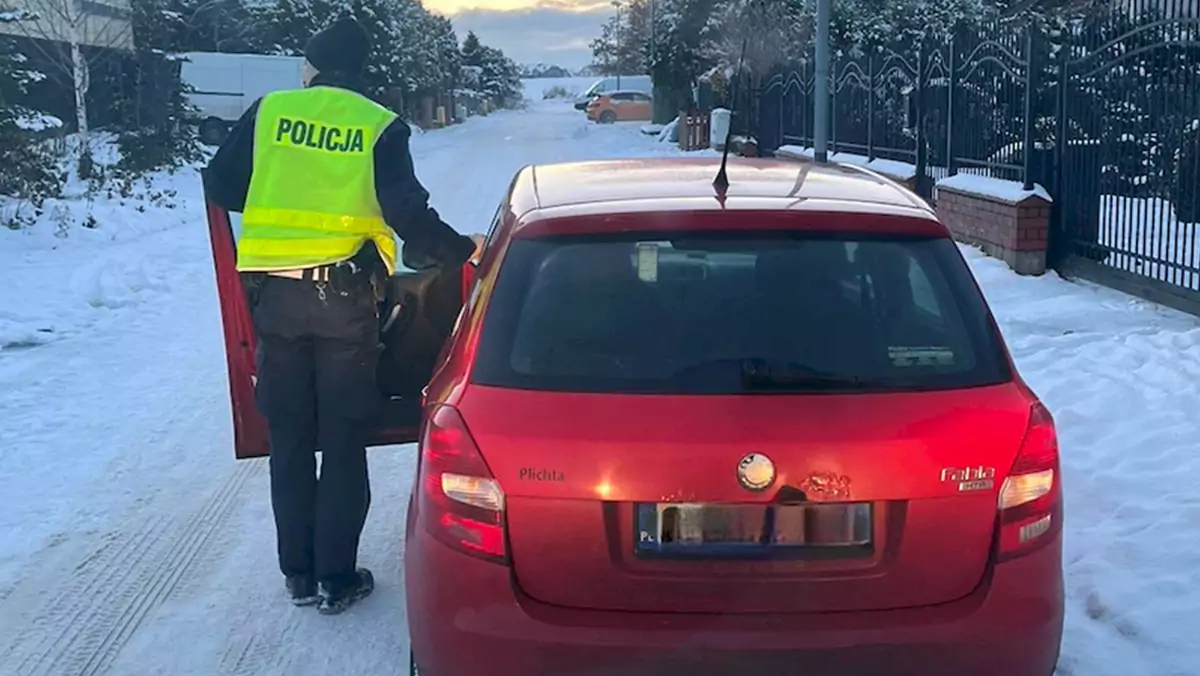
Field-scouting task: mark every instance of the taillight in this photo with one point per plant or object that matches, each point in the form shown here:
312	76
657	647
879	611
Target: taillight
462	504
1030	501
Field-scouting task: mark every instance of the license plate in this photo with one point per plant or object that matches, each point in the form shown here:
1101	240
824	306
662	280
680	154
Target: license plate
689	529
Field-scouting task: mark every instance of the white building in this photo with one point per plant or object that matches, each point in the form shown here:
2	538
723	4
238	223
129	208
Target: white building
101	24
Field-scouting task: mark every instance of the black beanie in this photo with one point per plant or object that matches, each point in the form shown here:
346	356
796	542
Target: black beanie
342	47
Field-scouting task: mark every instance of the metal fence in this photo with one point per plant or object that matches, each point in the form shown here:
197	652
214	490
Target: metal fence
1103	111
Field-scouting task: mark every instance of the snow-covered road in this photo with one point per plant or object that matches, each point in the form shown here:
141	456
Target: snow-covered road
132	543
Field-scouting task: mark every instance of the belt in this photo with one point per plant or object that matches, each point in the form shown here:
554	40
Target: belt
320	274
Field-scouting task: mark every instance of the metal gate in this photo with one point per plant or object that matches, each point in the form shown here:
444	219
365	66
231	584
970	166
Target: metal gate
1127	168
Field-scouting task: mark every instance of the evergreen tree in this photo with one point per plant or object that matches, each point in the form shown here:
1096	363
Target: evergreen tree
418	67
28	172
159	133
450	59
625	43
213	25
685	46
414	52
770	31
488	74
501	78
472	51
284	26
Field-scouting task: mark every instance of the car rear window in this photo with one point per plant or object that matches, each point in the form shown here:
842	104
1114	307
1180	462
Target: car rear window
714	313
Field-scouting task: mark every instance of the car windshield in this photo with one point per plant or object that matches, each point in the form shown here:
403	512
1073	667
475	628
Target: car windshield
720	314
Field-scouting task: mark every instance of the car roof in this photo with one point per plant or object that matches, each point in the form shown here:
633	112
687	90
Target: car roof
686	184
625	91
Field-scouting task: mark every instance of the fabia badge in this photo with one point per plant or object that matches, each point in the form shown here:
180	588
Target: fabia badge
977	478
756	472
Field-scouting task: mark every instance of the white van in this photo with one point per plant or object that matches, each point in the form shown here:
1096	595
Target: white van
225	85
612	83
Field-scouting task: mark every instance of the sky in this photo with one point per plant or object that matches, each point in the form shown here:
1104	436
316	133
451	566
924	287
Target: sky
529	31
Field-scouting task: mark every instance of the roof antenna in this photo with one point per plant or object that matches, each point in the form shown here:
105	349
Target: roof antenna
721	182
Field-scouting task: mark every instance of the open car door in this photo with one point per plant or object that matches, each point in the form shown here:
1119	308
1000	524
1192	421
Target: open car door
419	314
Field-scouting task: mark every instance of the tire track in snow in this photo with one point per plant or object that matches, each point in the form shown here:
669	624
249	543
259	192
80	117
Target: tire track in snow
81	630
257	653
278	639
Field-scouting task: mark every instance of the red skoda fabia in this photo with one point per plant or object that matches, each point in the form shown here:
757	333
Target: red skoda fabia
772	430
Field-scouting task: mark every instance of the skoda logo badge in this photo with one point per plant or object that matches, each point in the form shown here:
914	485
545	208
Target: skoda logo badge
756	472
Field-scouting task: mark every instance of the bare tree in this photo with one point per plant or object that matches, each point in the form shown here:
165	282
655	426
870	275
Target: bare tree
74	36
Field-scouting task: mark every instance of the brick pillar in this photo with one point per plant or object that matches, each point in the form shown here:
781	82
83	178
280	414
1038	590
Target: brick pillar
1016	232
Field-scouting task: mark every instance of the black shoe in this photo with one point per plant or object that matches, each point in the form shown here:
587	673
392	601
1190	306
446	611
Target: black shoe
337	598
303	590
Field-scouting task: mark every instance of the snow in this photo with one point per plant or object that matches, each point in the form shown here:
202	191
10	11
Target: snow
131	541
670	132
900	171
38	122
998	189
1122	378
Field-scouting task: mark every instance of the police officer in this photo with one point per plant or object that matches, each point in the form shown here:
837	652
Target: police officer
323	177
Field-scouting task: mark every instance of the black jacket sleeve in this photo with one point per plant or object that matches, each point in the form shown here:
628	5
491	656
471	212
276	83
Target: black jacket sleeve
227	176
405	203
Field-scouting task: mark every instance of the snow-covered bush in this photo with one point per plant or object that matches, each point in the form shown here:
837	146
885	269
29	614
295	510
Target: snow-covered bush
29	173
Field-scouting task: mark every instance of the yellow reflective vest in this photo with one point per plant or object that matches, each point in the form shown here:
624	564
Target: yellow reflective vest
312	192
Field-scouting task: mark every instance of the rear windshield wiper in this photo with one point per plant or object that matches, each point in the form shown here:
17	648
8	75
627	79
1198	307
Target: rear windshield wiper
757	374
770	375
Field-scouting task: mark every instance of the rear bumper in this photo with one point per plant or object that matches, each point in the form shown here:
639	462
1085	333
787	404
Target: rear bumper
467	618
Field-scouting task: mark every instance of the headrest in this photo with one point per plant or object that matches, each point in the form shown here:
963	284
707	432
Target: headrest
820	264
585	264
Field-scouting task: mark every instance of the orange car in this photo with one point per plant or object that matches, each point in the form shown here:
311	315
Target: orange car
620	107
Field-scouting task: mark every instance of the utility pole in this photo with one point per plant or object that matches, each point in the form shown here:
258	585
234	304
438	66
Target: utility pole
821	85
617	47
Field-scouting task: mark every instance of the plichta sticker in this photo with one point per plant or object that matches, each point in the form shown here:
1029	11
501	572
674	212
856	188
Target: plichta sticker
921	356
647	261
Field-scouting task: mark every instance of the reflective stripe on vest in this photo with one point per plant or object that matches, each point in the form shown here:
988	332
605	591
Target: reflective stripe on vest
312	193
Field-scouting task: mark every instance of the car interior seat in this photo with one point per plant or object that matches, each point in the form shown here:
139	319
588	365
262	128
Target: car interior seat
811	314
590	311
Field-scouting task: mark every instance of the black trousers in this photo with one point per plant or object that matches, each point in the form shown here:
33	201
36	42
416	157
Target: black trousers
317	354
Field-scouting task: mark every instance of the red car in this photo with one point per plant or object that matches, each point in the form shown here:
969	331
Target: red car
768	430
